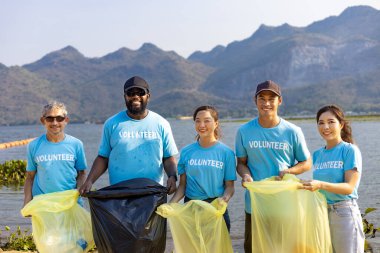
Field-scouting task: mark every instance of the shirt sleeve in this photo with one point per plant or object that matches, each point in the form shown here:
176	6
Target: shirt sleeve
80	163
105	144
302	153
230	169
31	165
181	164
353	159
169	146
239	147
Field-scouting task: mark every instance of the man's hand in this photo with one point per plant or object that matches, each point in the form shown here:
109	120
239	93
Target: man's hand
243	170
99	166
282	173
170	167
246	179
86	187
171	184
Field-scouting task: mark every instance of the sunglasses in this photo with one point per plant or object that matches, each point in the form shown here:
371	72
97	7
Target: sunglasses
134	92
57	118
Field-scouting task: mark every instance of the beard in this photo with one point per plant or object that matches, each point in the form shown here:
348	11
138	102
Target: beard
136	110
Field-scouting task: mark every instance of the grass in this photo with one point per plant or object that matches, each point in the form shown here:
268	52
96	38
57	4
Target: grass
12	173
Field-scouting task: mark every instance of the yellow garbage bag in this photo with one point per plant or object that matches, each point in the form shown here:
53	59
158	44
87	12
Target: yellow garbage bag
198	226
59	223
286	219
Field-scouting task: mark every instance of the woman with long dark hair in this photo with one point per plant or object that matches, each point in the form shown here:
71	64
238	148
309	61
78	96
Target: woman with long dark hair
207	167
337	169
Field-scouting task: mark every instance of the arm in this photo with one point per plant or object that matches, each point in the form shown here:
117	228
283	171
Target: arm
299	168
170	167
180	193
351	177
81	177
243	170
229	190
99	166
28	186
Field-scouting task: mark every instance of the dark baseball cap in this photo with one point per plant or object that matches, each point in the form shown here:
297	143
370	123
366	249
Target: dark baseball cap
268	85
136	82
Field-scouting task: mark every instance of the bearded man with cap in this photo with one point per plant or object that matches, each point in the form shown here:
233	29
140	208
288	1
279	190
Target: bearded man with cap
136	143
268	146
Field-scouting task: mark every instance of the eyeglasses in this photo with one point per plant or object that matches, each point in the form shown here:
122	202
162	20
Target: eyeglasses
134	92
57	118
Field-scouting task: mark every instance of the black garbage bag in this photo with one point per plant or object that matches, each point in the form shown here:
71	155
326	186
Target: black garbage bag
124	218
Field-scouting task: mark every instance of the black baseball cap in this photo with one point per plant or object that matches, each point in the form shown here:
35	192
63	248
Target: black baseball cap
268	85
136	82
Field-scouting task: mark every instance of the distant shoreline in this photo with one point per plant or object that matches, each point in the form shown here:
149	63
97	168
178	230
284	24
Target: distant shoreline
364	117
369	117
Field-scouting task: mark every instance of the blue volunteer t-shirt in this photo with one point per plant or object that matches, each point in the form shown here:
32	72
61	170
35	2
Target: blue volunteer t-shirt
206	169
269	150
56	164
135	148
329	165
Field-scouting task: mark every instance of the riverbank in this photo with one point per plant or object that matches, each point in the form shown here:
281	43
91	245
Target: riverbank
366	135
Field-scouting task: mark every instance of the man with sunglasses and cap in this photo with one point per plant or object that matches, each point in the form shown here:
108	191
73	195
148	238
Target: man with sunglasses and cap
136	143
55	161
268	146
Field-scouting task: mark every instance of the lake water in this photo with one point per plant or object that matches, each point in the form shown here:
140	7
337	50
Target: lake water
366	135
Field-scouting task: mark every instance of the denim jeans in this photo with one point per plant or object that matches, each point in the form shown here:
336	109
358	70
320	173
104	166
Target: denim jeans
346	227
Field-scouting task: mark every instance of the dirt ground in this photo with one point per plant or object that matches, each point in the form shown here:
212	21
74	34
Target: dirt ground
236	244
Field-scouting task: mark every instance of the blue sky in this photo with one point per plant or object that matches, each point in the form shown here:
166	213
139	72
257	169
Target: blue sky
29	29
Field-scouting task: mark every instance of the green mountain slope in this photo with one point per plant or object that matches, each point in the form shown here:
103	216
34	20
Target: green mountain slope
335	60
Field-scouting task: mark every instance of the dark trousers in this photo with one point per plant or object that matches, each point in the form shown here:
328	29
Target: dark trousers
225	215
248	234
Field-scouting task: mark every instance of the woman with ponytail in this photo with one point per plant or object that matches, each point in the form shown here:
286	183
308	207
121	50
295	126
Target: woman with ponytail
337	169
207	167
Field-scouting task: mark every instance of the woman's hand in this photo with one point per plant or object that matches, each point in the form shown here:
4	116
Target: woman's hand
311	185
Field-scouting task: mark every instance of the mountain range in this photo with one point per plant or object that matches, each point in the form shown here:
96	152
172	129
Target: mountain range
335	60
